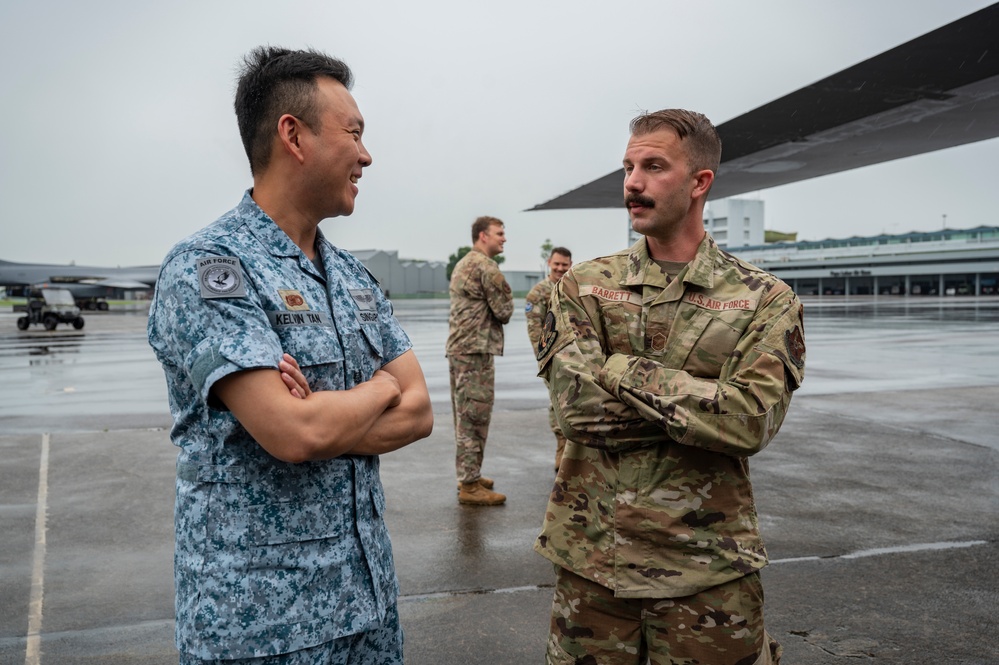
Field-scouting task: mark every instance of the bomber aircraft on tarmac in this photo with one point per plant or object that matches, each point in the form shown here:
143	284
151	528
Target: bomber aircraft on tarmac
89	285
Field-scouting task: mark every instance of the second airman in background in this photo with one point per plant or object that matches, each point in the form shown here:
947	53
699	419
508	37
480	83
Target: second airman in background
559	262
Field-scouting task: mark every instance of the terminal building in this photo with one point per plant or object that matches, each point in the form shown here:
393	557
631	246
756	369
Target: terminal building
944	262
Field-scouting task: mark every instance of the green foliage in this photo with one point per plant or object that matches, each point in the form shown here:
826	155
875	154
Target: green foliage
778	236
546	249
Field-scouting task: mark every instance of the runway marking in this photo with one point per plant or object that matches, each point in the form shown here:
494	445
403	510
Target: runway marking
472	592
859	554
32	652
898	549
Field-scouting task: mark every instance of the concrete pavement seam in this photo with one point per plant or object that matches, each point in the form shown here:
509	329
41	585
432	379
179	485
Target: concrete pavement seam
32	651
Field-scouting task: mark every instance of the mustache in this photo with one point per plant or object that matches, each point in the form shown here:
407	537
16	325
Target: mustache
638	199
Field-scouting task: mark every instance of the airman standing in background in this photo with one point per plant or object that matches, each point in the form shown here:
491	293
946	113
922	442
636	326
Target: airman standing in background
481	302
559	262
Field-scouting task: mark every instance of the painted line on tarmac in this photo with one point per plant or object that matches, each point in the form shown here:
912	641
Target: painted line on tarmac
899	549
859	554
472	592
32	652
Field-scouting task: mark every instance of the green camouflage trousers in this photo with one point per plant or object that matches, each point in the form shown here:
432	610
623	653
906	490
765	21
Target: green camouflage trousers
472	380
722	625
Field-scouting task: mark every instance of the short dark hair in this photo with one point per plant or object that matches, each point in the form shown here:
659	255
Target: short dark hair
560	250
694	129
274	81
482	224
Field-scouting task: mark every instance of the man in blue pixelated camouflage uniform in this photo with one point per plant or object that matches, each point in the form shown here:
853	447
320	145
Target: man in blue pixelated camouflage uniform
281	549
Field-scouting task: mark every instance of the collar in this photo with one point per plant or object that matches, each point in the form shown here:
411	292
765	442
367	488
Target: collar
699	272
273	238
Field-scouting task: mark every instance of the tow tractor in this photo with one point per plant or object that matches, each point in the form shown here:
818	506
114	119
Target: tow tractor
49	307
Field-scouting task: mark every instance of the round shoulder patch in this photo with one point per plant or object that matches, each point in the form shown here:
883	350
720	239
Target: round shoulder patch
220	280
220	277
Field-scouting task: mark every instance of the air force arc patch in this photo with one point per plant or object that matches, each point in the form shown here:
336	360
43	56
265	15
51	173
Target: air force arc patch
221	277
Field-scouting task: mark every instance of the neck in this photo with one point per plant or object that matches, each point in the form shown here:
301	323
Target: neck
682	244
287	213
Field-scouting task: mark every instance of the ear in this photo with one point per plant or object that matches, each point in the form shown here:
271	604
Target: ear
702	183
289	135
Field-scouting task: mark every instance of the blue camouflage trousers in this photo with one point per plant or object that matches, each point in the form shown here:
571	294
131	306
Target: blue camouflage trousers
722	625
379	646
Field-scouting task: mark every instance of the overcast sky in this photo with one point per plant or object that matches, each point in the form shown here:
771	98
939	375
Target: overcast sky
117	136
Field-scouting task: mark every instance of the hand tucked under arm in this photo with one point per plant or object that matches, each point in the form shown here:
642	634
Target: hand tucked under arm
293	378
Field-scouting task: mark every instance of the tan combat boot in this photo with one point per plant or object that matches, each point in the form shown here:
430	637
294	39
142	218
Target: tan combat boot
477	495
485	482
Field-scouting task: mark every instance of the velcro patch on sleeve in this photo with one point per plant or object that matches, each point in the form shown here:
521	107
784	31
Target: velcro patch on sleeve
221	277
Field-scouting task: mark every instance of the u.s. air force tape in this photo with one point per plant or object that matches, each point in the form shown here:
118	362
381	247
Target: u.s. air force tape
221	277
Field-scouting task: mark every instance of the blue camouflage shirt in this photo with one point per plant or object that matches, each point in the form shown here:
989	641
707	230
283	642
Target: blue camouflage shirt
271	557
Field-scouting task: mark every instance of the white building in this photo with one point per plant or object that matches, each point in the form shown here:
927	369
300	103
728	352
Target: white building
732	223
735	223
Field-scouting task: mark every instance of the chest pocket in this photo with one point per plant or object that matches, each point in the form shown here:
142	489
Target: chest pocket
622	327
702	341
318	352
372	333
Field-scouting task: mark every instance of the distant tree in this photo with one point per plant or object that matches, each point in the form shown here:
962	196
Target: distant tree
452	260
779	236
546	251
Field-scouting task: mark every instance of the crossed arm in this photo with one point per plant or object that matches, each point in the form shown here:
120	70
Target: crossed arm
621	401
294	424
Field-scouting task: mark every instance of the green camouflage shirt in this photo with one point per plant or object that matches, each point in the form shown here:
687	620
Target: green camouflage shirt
664	389
481	302
536	307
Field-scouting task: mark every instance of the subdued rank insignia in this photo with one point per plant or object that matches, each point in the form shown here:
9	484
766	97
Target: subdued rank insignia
795	344
548	335
366	305
221	277
293	300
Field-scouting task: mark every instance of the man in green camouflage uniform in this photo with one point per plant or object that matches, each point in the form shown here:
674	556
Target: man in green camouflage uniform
535	309
669	364
481	302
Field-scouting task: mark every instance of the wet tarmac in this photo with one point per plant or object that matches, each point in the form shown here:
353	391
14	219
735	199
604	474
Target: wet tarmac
879	500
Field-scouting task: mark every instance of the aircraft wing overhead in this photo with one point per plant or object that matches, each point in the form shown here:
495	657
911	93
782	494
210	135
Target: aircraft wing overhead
937	91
